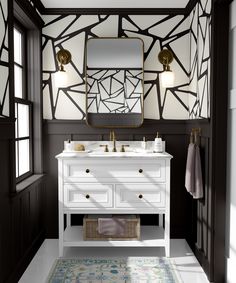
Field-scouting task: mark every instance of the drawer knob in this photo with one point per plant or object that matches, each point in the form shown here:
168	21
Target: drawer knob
87	196
87	170
140	196
140	170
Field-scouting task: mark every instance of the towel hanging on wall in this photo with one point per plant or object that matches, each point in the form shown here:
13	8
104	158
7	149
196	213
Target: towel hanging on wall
193	175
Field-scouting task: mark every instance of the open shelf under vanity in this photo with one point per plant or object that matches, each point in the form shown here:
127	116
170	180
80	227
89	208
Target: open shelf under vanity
151	236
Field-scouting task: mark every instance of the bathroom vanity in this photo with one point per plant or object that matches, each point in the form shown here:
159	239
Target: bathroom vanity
97	182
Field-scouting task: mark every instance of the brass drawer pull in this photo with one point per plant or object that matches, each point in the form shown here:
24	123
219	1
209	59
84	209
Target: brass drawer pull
87	196
140	196
87	170
140	170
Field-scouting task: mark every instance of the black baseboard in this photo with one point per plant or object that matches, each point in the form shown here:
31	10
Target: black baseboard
26	259
204	262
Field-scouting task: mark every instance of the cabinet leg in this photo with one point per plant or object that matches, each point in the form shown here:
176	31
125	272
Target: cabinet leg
60	249
61	233
167	248
160	217
68	219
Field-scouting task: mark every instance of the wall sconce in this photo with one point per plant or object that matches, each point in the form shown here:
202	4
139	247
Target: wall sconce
167	77
63	57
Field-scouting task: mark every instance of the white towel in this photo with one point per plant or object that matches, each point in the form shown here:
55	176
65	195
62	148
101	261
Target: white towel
111	226
193	175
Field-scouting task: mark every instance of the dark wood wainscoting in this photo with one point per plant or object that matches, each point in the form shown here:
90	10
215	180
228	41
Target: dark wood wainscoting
27	221
21	215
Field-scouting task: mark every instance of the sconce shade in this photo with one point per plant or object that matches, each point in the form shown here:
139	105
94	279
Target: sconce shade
61	78
167	79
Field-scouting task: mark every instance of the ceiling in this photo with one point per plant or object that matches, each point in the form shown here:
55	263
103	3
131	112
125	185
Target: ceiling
115	3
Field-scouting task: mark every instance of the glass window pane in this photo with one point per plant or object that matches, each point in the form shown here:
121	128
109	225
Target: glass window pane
18	82
17	47
17	169
24	162
23	120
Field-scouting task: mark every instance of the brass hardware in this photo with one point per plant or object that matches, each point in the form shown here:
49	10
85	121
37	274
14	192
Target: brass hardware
63	57
195	135
87	196
165	57
87	170
140	196
106	147
113	138
123	147
140	170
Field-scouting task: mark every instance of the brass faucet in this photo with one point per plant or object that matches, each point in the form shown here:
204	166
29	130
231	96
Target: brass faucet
113	138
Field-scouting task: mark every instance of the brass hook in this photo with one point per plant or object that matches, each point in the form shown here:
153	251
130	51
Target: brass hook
195	135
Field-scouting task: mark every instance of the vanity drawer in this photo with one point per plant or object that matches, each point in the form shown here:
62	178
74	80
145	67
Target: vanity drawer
88	195
73	171
140	195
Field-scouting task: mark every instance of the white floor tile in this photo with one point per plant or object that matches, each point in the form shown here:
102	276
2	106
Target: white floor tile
182	256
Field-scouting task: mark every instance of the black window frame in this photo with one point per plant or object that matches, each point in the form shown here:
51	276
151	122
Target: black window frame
24	101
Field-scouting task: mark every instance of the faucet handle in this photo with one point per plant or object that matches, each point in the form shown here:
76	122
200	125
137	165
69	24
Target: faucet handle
112	135
123	147
106	147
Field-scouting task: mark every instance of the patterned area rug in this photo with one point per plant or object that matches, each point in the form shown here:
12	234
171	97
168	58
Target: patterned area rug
131	270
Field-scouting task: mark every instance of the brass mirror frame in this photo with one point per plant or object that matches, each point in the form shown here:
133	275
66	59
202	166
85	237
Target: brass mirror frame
86	86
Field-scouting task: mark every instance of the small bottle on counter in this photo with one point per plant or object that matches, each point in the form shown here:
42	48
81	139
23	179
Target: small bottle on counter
144	143
158	144
68	145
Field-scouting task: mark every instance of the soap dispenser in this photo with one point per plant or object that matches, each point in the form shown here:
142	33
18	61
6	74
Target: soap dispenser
144	144
68	145
157	144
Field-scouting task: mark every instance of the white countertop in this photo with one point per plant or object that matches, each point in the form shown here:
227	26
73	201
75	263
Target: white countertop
93	150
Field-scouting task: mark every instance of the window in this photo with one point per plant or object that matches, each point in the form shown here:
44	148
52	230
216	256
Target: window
23	107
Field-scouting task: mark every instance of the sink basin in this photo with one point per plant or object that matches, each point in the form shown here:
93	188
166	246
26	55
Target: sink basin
112	154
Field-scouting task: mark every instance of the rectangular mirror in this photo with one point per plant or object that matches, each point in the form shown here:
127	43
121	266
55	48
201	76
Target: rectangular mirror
114	82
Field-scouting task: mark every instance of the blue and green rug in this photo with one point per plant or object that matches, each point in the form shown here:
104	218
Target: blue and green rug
131	270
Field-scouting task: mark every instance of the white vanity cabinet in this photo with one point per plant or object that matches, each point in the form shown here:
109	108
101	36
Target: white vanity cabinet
136	184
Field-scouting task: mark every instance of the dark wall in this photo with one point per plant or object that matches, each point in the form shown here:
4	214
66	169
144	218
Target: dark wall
21	218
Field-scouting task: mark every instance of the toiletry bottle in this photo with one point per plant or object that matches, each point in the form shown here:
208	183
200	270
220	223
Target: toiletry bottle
157	144
67	145
144	144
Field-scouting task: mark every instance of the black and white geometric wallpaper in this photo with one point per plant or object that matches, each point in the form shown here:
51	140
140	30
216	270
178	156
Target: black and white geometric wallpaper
200	60
34	6
4	60
114	91
183	101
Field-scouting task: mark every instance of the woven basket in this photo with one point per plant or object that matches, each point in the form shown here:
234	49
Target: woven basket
132	228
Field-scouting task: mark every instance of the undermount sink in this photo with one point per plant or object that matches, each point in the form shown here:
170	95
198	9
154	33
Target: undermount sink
112	154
